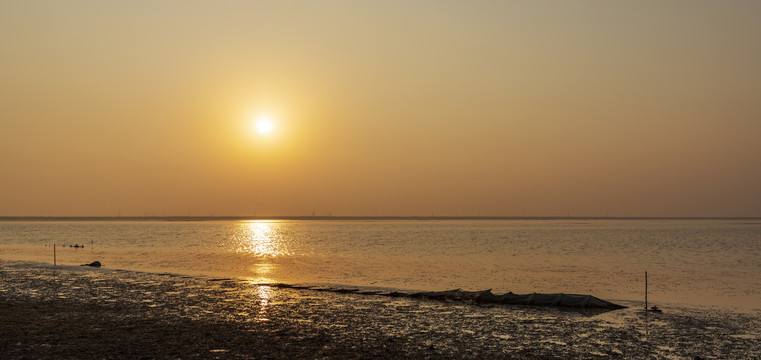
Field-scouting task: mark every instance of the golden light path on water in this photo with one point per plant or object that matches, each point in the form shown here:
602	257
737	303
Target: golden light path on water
262	240
264	294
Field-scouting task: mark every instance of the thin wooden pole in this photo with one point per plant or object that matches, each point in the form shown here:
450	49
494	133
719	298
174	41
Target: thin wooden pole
645	290
54	262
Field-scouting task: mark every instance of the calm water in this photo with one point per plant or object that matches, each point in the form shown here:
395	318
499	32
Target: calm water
691	263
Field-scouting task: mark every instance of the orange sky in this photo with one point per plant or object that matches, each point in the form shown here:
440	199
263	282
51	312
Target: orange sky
591	108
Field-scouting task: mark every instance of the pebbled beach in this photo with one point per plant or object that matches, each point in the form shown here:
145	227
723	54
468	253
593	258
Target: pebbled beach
88	313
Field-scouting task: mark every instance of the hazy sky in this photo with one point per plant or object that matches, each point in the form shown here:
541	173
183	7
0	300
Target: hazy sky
593	108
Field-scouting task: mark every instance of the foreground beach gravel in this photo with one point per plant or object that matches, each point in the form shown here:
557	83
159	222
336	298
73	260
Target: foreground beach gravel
84	313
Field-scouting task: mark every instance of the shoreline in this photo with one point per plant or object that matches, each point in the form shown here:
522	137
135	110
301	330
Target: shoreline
672	290
586	303
92	313
662	294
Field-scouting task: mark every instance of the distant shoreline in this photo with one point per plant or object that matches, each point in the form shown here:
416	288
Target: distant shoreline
354	218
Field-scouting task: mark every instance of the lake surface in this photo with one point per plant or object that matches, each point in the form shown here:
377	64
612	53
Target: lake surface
692	263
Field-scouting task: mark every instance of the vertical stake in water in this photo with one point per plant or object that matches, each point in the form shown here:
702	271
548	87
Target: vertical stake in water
54	264
645	290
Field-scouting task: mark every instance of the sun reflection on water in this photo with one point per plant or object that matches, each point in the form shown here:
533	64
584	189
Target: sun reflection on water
260	243
263	273
264	295
260	238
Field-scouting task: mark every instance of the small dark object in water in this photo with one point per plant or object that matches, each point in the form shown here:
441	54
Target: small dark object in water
93	264
654	309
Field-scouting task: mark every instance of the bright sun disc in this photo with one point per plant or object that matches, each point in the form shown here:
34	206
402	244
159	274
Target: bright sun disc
264	126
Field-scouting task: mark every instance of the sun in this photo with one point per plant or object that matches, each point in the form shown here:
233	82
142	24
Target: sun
264	125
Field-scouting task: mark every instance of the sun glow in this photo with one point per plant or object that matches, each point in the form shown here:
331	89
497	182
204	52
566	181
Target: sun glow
264	125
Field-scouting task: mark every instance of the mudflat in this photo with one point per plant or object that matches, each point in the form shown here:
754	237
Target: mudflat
87	313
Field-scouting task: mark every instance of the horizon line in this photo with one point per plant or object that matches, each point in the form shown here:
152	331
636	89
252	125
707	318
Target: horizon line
360	218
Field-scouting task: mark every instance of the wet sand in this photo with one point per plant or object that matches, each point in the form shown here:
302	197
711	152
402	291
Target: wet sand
87	313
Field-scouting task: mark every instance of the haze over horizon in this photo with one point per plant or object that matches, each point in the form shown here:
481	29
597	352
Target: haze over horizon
541	108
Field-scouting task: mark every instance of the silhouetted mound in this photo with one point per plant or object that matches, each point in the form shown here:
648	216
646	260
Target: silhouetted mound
93	264
487	297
